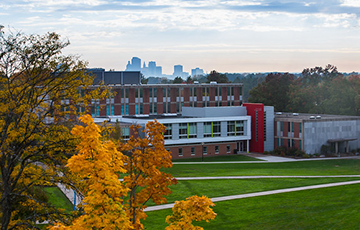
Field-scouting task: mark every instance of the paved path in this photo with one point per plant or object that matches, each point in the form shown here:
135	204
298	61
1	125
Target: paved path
270	159
247	195
260	177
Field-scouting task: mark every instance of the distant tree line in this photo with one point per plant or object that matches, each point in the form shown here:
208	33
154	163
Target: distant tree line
317	90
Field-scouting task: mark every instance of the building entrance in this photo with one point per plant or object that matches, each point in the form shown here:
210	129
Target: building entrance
241	146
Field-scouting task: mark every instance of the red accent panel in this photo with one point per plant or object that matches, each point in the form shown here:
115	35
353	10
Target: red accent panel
252	108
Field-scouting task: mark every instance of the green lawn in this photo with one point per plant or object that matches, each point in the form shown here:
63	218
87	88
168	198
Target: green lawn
218	158
326	208
318	167
58	199
217	188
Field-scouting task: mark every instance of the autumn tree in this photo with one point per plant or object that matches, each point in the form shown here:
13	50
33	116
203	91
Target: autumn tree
39	92
110	203
194	208
145	156
97	165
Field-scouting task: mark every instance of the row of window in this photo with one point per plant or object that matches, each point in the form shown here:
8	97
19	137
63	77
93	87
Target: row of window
290	127
211	129
288	142
204	150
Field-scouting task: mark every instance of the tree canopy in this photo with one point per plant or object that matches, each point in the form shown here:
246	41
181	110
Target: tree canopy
40	90
318	90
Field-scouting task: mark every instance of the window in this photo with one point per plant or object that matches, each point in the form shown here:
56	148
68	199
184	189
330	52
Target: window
112	110
228	149
292	126
180	152
216	126
289	123
300	127
207	129
183	130
108	110
264	125
93	111
136	109
216	149
98	111
300	144
239	128
192	133
168	131
125	133
205	150
192	151
231	128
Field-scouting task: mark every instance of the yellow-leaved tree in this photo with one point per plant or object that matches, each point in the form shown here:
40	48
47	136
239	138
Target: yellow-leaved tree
194	208
110	203
98	165
39	93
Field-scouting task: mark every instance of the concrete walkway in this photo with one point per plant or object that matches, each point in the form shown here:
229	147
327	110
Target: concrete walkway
270	159
255	194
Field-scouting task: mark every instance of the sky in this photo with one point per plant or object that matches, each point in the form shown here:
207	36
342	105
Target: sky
232	36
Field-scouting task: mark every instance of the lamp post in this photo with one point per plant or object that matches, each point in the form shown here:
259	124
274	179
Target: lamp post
202	151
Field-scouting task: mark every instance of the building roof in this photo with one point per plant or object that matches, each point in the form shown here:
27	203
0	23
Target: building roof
309	117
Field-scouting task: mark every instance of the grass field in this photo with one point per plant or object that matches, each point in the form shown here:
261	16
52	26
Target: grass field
217	188
326	208
303	168
58	199
218	158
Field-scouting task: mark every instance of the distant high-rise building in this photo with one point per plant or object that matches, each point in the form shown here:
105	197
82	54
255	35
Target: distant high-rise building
178	71
197	71
158	71
152	68
135	64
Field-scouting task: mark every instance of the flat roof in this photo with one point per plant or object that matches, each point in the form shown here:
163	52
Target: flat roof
171	85
311	117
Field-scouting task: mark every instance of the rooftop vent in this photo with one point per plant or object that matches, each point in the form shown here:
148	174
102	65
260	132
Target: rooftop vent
169	115
312	117
318	117
278	113
295	114
141	115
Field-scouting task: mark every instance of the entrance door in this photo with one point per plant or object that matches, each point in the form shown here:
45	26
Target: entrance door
242	146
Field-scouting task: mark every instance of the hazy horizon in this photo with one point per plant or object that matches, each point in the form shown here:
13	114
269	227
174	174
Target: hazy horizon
232	36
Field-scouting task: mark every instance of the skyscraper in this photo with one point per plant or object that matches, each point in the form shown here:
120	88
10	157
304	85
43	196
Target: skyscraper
178	71
136	64
152	68
197	71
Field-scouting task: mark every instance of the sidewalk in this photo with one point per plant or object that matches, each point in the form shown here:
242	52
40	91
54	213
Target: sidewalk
255	194
270	159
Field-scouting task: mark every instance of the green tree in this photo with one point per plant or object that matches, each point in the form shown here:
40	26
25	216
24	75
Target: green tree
218	77
178	80
273	91
40	89
144	80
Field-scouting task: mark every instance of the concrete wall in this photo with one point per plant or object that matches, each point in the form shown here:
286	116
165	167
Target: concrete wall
269	143
213	111
318	133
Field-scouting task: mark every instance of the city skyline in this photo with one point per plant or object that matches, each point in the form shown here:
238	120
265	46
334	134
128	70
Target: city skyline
226	36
